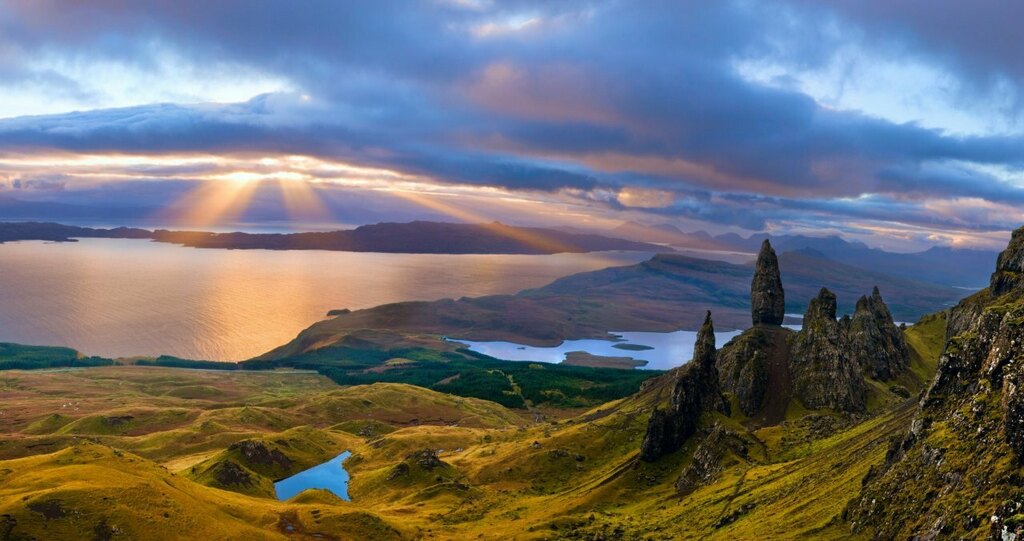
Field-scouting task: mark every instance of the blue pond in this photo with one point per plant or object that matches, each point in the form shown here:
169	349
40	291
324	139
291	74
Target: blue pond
330	476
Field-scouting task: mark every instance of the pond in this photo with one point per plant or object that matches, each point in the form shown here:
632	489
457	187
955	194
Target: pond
330	476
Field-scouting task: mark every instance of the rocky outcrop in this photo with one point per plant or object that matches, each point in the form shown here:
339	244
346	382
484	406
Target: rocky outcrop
695	392
876	343
721	449
258	454
824	375
754	368
823	366
767	298
1009	274
957	471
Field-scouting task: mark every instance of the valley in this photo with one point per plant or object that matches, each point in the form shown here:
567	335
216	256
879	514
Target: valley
776	433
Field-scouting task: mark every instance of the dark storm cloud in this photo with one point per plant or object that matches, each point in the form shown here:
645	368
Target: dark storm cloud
980	37
549	96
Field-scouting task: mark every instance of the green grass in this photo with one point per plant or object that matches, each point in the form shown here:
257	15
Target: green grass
926	339
20	357
504	472
470	374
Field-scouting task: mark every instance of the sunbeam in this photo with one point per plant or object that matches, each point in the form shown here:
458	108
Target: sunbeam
302	202
433	203
211	203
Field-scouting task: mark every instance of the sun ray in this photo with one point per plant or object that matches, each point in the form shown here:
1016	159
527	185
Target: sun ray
302	202
211	203
433	202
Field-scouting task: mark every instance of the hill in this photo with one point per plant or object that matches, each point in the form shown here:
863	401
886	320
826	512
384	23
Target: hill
424	465
944	265
927	447
413	237
666	293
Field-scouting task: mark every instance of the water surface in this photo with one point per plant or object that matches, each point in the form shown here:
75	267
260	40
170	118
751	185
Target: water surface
122	297
330	476
667	349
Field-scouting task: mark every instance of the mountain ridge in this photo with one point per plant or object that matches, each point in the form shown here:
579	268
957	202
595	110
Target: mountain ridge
413	237
945	265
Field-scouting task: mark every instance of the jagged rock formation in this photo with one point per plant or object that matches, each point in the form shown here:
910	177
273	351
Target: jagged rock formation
1009	272
823	365
957	471
695	392
767	298
876	343
824	375
721	449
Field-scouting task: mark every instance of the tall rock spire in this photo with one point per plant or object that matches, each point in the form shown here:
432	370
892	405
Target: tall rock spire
767	298
694	392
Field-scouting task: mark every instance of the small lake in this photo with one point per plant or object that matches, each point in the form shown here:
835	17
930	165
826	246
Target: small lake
330	476
662	350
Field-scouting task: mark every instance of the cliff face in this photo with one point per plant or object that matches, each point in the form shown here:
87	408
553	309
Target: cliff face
1009	274
824	375
876	343
754	367
957	472
767	298
695	392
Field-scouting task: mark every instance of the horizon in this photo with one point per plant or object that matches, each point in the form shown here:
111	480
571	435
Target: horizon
864	121
612	233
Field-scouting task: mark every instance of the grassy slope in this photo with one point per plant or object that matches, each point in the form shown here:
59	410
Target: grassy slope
958	471
502	476
373	357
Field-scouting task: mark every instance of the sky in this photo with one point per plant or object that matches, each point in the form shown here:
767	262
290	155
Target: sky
894	122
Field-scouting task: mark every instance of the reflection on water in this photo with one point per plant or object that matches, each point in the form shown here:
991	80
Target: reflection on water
330	476
118	297
667	349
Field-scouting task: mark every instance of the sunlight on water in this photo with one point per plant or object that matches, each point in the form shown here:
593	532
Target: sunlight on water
116	297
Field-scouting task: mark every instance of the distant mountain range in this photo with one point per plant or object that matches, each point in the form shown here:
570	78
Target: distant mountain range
962	268
958	267
412	237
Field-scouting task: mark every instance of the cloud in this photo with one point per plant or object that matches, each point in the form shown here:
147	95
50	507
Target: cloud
630	107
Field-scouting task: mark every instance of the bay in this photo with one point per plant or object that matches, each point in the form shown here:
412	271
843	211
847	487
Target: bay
122	297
